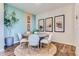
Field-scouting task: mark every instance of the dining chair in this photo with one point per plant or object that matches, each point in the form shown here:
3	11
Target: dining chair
23	41
46	40
19	36
33	40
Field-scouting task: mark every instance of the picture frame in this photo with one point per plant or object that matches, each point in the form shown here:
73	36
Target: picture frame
41	25
49	24
28	23
28	19
59	23
28	27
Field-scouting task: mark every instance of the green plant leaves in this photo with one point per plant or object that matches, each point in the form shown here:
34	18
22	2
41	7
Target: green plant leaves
10	20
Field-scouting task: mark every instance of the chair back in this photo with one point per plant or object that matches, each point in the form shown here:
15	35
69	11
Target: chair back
50	37
33	40
19	36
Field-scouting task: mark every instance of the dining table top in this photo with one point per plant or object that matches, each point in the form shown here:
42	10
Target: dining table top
40	35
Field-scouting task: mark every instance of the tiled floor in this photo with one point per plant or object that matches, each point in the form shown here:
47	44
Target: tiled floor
62	50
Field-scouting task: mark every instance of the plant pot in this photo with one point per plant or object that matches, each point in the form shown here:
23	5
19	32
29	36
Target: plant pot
9	41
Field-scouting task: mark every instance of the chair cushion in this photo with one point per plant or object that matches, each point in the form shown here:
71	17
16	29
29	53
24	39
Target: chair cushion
45	41
23	40
33	40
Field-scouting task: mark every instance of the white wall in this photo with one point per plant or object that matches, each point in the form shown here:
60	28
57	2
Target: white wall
68	36
77	28
1	27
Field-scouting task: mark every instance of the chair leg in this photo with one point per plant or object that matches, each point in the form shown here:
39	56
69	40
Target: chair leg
38	47
48	46
41	45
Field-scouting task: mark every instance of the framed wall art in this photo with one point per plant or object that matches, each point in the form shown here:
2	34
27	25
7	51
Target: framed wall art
28	23
28	27
59	23
28	19
49	24
41	25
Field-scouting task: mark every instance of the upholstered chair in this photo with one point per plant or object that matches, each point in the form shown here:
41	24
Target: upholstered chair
47	40
33	40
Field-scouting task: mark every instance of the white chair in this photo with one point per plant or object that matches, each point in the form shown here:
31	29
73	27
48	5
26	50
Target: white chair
19	36
47	40
23	41
33	40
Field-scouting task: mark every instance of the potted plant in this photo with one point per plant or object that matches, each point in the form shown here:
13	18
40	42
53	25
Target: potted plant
9	22
35	31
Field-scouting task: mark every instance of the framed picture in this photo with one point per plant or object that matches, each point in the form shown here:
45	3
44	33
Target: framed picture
28	19
41	25
59	23
49	24
28	27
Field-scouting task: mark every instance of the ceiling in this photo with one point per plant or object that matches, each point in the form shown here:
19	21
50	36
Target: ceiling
36	8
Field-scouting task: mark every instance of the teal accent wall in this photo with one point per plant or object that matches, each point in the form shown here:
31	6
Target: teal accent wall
33	23
19	27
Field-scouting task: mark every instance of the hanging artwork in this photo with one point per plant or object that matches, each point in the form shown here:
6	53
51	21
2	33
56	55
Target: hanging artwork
59	23
41	25
49	24
28	27
28	19
28	23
